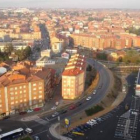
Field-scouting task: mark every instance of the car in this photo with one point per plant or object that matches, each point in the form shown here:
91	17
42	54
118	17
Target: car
29	110
94	92
29	130
0	130
55	114
54	108
78	104
37	109
22	113
63	111
88	98
36	138
72	107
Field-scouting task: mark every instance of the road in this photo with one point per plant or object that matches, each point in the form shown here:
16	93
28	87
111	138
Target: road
40	125
106	129
45	37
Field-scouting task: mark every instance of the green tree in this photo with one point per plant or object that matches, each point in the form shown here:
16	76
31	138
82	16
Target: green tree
102	56
131	56
8	48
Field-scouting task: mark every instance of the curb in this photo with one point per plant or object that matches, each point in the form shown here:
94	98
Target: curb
53	132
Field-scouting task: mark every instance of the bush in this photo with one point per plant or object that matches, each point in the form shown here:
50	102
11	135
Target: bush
93	110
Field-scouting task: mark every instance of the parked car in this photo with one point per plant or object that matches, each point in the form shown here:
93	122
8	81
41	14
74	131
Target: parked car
36	138
29	130
94	92
63	111
37	109
88	98
6	117
29	110
22	113
72	107
78	104
55	114
54	107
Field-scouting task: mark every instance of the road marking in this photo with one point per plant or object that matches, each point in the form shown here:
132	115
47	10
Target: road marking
41	121
40	132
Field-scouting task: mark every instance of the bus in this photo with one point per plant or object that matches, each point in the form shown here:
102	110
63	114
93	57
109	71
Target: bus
12	135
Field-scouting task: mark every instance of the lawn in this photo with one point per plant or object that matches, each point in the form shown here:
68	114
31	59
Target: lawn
27	138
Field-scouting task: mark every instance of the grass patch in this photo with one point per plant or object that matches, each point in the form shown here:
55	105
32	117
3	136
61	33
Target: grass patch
93	110
26	138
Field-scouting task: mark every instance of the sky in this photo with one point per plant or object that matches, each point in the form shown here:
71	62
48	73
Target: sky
127	4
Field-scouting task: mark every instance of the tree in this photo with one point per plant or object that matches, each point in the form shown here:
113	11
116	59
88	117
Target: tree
90	18
8	48
102	56
131	56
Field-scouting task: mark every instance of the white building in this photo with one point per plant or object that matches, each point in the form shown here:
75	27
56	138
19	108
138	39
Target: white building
47	53
44	61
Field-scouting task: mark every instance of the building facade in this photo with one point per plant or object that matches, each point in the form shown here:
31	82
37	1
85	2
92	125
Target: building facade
24	88
73	77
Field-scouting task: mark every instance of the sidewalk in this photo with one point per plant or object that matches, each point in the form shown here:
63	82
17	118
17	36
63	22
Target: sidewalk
53	132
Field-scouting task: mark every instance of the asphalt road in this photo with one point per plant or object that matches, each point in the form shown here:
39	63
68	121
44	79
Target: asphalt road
40	126
106	129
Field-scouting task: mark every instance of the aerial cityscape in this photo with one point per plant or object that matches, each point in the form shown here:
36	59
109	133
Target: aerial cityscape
69	70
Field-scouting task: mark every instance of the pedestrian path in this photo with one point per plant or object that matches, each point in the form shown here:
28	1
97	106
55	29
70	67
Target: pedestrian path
30	118
41	121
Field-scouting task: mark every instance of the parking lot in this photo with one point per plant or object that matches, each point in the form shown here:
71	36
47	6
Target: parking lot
128	122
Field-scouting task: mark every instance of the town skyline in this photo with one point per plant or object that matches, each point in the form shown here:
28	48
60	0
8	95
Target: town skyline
100	4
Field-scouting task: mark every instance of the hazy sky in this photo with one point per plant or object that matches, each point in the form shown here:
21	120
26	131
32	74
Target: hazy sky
133	4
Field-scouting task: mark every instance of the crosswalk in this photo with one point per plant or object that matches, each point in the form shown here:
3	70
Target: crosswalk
36	119
41	121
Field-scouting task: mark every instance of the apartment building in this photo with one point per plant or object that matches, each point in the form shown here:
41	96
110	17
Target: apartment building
101	42
23	88
73	77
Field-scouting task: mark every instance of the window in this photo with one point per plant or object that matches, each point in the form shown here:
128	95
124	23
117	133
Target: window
34	102
21	100
15	88
0	101
34	93
20	92
16	102
24	86
12	98
15	92
24	91
21	105
20	87
40	83
40	100
25	100
16	97
12	103
11	89
40	96
34	97
40	87
34	84
0	105
21	96
12	107
34	88
40	91
11	93
24	95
